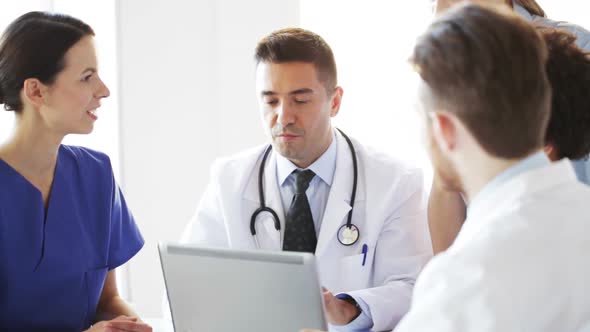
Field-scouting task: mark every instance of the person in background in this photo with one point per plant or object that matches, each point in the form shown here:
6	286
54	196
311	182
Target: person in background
64	224
531	11
568	133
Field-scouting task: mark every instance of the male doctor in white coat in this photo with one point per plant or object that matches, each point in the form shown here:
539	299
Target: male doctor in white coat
308	180
519	262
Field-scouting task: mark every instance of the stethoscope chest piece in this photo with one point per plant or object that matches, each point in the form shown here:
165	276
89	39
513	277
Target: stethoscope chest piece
348	235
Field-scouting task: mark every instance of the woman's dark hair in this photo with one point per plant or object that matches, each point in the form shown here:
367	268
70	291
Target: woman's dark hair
33	46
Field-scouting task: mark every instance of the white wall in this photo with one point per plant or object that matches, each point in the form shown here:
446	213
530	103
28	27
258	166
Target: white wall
187	97
378	106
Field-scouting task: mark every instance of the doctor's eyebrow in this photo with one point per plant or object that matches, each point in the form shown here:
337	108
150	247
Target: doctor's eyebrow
301	91
294	92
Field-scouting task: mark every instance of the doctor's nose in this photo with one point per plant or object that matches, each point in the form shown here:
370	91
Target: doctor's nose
285	114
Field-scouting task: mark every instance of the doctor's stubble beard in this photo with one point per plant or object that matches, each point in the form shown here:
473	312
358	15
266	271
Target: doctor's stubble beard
288	150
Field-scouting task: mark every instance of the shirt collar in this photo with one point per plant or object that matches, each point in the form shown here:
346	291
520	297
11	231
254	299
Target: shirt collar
323	167
534	161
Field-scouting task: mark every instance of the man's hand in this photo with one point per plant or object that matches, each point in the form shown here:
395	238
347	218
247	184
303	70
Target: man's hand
121	324
339	312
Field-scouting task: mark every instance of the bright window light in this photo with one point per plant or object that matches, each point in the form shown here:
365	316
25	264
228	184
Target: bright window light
372	41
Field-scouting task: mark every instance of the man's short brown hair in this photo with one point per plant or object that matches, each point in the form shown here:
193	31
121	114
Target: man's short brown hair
487	66
568	70
299	45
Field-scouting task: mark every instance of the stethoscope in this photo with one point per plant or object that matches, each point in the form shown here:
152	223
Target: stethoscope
348	234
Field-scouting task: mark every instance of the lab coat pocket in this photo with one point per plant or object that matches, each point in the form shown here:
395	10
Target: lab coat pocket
95	279
354	274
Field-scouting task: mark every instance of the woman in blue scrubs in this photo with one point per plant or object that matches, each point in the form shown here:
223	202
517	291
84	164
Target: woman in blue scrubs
64	224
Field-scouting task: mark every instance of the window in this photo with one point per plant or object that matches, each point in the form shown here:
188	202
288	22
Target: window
574	11
371	43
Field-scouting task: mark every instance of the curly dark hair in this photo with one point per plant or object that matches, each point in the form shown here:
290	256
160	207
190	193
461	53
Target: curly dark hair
568	70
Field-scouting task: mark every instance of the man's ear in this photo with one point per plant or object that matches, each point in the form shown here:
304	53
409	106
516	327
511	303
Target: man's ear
336	101
444	130
34	91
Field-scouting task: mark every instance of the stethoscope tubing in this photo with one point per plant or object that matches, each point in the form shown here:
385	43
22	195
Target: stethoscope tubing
276	220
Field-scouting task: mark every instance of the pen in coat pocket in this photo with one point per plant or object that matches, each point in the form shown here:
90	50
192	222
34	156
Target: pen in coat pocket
365	249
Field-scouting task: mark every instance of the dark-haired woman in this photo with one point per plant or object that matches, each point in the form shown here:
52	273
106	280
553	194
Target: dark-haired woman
64	224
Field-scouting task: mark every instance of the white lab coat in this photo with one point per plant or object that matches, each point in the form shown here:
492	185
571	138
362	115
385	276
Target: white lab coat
389	211
520	262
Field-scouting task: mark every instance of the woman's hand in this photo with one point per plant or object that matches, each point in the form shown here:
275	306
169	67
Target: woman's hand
121	324
112	305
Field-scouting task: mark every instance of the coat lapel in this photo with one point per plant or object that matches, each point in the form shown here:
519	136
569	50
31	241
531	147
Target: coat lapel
337	206
268	237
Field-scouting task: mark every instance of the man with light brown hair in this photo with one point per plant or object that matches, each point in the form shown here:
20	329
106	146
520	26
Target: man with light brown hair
446	209
517	264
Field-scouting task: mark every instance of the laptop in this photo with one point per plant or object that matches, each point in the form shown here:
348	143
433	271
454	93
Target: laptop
224	290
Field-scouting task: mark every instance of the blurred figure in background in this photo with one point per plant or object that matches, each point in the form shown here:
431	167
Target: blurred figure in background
569	126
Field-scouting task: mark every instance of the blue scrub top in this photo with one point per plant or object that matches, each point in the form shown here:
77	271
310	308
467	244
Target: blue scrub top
53	265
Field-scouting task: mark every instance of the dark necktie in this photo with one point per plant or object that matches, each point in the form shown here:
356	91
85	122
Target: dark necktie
299	227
